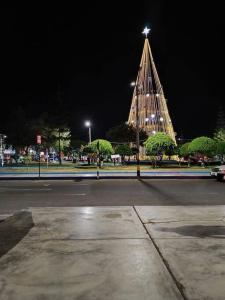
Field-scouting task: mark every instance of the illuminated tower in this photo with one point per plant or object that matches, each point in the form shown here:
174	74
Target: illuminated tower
153	114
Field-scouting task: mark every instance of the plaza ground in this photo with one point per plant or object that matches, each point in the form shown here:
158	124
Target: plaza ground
112	239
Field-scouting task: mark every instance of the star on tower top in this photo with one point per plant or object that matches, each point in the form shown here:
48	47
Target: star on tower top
146	31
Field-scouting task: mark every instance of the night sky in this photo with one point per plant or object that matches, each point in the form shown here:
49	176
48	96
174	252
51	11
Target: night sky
92	53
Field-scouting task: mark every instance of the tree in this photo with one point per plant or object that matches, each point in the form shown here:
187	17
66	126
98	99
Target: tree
123	150
184	150
105	147
42	126
202	146
125	133
159	144
76	144
220	149
219	134
19	131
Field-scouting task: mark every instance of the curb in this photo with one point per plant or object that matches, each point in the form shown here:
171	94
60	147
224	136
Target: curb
106	177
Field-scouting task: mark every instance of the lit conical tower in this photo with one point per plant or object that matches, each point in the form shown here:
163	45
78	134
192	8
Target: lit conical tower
153	113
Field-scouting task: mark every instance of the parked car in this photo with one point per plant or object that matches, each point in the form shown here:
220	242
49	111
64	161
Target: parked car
218	171
221	175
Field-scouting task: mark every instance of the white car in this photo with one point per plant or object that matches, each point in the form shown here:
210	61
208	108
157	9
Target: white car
221	175
216	170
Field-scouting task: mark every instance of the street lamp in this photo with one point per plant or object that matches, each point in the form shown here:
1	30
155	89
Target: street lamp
2	137
137	92
88	124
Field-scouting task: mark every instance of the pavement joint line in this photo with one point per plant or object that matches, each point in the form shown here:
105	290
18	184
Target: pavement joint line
87	239
179	286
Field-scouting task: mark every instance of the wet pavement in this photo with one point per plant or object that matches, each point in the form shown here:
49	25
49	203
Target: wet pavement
140	252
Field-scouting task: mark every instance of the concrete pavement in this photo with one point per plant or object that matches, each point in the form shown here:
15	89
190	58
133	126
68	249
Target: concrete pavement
191	240
140	252
85	253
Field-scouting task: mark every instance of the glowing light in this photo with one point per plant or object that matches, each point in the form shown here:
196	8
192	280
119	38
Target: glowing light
133	83
88	123
161	119
152	116
146	31
157	95
147	95
146	119
154	132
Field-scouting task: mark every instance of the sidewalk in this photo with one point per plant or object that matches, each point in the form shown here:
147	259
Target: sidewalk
114	253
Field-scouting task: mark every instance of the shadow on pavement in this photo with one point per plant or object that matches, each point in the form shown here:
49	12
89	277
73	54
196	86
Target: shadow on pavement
155	189
200	231
13	230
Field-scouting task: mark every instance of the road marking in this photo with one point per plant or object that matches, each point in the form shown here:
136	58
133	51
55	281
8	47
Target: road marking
75	194
13	189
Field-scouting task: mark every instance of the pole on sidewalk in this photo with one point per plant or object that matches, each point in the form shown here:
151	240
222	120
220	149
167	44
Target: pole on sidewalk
137	89
39	164
98	160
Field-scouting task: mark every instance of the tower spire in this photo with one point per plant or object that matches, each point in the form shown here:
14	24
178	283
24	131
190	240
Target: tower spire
152	108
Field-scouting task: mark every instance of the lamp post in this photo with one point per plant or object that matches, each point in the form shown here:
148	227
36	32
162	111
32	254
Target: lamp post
88	124
137	91
2	137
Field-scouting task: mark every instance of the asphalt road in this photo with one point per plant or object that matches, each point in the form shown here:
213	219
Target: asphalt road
16	195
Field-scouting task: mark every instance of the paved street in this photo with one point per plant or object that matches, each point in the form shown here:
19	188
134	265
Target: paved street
16	195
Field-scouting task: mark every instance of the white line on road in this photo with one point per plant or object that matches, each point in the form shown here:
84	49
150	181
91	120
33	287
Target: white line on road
13	189
75	194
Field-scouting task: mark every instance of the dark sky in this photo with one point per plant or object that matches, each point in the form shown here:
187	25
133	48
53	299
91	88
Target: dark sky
93	52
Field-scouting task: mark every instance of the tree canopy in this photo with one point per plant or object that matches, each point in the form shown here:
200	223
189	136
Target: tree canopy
123	150
202	145
105	147
159	143
184	150
219	134
220	148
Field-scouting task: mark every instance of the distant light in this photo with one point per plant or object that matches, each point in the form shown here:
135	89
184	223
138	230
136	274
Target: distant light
146	119
147	95
157	95
133	83
161	119
146	31
88	123
152	116
132	121
154	132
